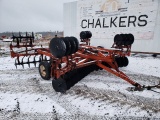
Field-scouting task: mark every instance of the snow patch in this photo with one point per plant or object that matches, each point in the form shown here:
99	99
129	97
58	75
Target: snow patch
148	66
30	103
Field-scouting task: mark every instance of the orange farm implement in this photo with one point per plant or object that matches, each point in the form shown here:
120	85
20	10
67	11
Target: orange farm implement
70	60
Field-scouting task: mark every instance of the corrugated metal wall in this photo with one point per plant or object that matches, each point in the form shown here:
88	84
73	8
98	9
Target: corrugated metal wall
140	45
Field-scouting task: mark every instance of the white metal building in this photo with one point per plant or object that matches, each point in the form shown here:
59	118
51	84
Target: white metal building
106	18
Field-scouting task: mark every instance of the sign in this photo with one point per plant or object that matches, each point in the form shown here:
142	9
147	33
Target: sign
106	18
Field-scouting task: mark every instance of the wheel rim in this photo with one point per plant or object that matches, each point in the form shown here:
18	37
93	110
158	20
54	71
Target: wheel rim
43	70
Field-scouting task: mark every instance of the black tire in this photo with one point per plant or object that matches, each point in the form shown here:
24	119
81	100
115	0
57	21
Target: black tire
73	44
77	43
57	47
120	40
88	34
116	38
59	85
45	70
154	55
83	35
124	39
68	46
119	61
125	61
131	39
128	42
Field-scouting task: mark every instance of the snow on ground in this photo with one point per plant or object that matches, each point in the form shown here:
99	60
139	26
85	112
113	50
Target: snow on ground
100	95
149	66
30	103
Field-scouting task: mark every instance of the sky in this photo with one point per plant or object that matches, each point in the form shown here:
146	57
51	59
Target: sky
31	15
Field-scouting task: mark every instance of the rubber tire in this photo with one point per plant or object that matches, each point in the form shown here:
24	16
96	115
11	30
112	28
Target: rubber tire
77	43
47	67
154	55
57	47
131	39
83	35
68	46
59	85
119	40
88	34
119	61
128	42
73	45
125	61
124	39
116	38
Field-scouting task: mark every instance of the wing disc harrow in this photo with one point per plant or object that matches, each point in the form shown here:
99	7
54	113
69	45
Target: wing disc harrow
67	61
